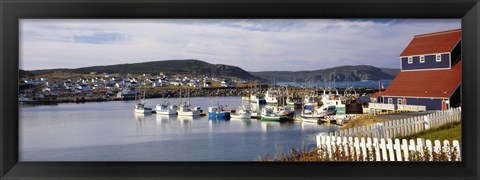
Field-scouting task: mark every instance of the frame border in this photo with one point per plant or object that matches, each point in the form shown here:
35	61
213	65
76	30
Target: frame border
13	10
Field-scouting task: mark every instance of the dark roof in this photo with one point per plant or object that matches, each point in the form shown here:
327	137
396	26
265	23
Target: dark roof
429	83
431	43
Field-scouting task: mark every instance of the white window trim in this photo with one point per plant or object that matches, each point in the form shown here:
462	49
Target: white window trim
422	59
390	101
410	60
436	57
399	101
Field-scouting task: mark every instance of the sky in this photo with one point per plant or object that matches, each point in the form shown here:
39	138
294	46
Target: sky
251	44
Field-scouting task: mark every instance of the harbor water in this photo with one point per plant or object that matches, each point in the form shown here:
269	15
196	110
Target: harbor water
110	131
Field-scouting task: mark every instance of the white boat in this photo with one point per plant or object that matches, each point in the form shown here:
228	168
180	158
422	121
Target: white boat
185	110
332	97
243	112
140	106
277	114
166	108
271	97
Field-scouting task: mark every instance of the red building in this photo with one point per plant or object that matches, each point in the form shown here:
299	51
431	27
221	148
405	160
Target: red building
431	72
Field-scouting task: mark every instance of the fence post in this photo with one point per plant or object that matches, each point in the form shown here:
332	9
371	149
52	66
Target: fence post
380	131
426	122
383	148
405	149
320	139
377	149
420	144
446	148
428	144
345	146
456	147
369	146
398	149
329	147
364	145
412	148
357	149
390	149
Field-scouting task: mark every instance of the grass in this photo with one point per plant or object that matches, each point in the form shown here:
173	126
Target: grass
452	131
363	120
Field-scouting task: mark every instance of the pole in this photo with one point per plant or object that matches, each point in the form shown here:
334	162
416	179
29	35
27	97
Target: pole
380	95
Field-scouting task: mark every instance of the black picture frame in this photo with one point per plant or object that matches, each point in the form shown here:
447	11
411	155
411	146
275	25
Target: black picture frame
13	10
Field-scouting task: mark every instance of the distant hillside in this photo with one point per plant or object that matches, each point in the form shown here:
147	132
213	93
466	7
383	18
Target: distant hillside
193	67
342	73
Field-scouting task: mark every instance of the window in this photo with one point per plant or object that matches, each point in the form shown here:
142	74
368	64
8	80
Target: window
422	59
390	101
410	60
399	101
438	57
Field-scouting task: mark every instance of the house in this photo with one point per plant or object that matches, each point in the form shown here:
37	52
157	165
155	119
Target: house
431	72
227	83
83	87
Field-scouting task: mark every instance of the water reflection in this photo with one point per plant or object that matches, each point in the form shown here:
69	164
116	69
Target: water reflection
186	122
273	126
243	122
310	125
142	125
163	121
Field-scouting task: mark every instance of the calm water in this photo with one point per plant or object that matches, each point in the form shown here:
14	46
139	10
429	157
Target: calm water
110	131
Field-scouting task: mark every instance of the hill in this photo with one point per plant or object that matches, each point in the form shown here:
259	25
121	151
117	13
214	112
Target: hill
341	73
191	67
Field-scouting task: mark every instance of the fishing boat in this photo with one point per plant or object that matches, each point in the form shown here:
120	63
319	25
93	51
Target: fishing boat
218	113
243	112
166	108
257	98
319	114
331	96
294	102
271	96
276	114
140	106
185	110
309	110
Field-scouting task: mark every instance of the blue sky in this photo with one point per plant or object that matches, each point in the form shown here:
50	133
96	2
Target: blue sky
252	44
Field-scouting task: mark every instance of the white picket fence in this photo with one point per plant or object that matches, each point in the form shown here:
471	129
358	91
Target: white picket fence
402	127
374	149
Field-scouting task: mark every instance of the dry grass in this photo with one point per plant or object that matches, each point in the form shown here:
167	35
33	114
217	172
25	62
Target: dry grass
349	154
363	120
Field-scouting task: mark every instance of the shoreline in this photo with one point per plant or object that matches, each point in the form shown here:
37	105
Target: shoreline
101	96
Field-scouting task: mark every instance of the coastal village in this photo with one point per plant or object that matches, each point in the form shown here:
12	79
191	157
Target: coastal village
429	85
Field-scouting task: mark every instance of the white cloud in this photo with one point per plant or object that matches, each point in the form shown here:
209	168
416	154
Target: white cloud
255	45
